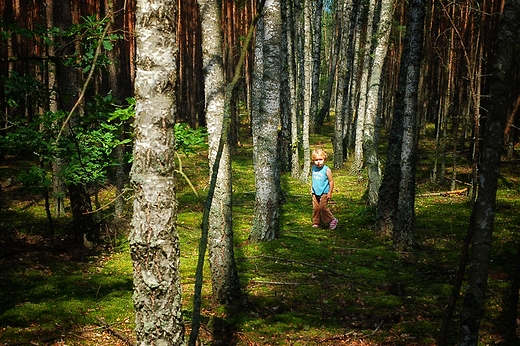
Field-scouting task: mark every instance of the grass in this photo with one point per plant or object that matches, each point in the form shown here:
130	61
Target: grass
308	287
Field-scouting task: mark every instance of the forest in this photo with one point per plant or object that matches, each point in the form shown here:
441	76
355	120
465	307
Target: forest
155	170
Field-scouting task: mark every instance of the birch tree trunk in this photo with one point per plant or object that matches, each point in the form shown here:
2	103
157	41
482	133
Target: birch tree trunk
403	235
346	82
398	186
265	121
307	90
483	214
364	65
286	140
316	16
154	242
340	48
370	126
335	54
293	88
224	274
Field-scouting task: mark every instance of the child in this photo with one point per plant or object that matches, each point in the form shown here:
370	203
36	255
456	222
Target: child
321	190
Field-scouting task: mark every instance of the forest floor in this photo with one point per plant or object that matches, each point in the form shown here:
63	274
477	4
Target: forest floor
308	287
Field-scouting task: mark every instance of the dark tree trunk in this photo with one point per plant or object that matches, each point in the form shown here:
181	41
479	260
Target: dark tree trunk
120	83
510	309
483	214
285	138
68	90
404	220
397	190
85	229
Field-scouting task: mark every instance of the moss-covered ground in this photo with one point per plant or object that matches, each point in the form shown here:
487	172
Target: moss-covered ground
308	287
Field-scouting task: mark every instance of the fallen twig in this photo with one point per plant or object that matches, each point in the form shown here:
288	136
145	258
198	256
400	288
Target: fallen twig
274	282
115	332
444	193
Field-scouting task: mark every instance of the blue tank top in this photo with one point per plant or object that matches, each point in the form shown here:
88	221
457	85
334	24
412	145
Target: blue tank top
320	181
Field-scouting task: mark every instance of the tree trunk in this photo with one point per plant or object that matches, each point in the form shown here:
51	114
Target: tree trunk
403	235
398	187
265	122
316	62
59	188
365	70
120	86
85	229
68	90
292	68
333	66
285	137
224	274
307	90
511	304
483	214
154	241
344	94
370	126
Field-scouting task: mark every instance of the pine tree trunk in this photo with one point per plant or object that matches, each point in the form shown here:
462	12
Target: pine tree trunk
59	188
154	241
68	90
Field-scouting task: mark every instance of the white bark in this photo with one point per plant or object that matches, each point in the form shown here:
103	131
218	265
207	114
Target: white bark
265	122
364	63
220	227
344	73
370	140
291	54
307	92
154	243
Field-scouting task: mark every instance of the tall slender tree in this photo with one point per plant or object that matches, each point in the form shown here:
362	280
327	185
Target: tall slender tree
285	136
316	33
345	79
154	242
68	81
306	83
372	113
483	213
265	121
294	85
398	187
224	274
364	70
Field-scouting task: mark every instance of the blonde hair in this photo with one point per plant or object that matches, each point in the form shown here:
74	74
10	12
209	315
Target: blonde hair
319	152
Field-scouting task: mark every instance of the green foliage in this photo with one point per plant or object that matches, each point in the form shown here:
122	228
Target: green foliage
88	33
189	140
34	178
87	150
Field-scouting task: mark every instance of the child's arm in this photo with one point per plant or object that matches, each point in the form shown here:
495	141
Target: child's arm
331	182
